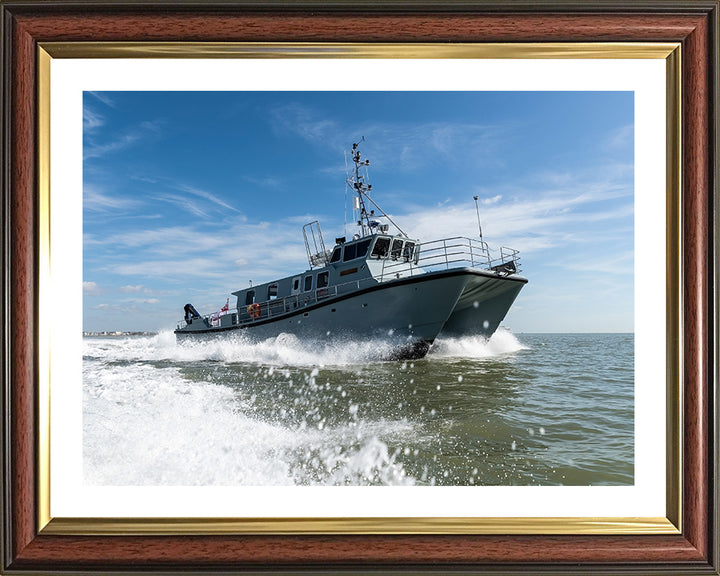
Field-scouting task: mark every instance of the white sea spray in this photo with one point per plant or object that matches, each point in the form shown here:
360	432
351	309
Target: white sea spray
150	418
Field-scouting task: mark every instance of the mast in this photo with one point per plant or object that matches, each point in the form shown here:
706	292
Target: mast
357	181
477	210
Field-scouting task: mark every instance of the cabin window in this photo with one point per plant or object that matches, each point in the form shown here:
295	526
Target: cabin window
350	252
396	249
408	252
249	297
382	245
362	248
322	280
335	255
308	283
296	284
272	292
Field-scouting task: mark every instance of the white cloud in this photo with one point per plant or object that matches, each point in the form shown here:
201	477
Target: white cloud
142	300
91	289
130	289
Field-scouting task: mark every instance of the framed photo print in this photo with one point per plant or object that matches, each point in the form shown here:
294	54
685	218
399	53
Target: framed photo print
321	287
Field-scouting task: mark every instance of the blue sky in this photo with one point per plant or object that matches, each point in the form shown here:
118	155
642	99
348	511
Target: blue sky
187	196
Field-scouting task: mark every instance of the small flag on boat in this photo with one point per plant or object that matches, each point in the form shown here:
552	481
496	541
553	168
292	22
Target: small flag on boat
224	310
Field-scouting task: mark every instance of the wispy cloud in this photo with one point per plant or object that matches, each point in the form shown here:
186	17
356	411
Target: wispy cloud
534	222
184	203
406	146
264	182
306	123
166	240
94	149
92	120
102	97
96	201
218	260
212	198
617	264
621	137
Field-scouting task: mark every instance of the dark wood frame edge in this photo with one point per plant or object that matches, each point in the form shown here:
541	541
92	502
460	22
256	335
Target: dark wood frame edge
695	551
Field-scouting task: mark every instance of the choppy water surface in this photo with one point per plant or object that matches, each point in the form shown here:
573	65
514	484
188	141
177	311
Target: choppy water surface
548	409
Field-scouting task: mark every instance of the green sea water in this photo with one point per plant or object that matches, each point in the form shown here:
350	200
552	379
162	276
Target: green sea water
522	409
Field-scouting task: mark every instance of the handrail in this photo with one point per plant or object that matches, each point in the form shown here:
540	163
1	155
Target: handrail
280	306
449	252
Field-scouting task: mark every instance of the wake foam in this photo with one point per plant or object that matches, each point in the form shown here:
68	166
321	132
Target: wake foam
503	341
286	349
144	425
282	350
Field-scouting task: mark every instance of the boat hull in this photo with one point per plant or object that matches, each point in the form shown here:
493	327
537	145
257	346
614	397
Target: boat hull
485	301
406	315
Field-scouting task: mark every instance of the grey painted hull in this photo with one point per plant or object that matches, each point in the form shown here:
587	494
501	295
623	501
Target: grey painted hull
407	314
483	304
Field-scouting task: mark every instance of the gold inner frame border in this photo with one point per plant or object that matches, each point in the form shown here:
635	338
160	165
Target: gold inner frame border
671	524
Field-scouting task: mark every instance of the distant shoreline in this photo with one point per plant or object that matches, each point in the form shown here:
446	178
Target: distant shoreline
119	333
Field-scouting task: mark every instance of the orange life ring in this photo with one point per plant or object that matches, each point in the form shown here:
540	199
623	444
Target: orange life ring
254	311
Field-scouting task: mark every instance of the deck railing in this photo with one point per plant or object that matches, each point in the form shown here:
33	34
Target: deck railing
280	306
451	253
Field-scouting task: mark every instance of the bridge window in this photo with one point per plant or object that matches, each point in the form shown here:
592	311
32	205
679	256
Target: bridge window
350	252
396	249
249	297
336	254
308	283
362	247
382	245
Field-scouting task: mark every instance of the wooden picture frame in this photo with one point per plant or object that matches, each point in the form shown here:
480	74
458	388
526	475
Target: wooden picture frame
28	547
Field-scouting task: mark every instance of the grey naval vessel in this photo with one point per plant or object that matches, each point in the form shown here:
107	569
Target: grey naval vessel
399	290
